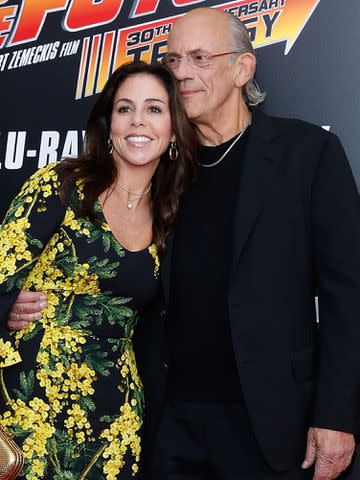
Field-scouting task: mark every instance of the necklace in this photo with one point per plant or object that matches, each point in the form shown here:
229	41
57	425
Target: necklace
208	165
137	196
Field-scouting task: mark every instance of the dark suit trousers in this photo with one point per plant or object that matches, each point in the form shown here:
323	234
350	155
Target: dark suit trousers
211	441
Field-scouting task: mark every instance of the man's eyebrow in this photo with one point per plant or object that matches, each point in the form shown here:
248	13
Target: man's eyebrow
190	52
198	50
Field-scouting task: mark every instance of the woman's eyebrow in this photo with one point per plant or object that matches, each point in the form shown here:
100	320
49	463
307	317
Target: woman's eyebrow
146	100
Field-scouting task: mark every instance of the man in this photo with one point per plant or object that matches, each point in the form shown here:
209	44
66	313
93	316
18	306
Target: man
240	383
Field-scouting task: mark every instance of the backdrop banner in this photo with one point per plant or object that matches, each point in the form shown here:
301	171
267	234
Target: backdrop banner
56	55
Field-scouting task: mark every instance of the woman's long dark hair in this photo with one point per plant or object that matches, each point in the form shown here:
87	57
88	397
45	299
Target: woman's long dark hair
97	171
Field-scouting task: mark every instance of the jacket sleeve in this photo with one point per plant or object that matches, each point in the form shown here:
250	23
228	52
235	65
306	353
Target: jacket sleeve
336	253
33	217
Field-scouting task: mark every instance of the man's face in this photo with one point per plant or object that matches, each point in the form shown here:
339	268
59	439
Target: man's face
208	92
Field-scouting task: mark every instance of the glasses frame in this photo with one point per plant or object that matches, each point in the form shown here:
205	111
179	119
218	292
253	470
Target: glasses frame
189	59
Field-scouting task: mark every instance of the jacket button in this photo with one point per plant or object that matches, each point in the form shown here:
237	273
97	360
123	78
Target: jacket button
163	312
165	365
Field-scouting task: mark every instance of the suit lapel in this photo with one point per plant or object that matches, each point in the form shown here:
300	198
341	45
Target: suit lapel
258	178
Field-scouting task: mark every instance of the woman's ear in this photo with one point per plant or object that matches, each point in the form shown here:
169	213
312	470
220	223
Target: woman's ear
173	137
246	66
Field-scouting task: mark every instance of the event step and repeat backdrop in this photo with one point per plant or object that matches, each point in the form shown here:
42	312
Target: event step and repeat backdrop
56	55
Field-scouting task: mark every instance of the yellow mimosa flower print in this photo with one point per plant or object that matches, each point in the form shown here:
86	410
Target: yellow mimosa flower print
75	406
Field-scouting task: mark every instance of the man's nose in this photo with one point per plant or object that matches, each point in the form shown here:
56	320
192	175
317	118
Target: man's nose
184	71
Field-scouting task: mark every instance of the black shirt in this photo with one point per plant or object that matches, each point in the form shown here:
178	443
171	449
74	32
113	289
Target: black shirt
202	363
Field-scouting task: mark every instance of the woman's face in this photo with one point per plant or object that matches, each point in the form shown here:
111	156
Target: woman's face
140	121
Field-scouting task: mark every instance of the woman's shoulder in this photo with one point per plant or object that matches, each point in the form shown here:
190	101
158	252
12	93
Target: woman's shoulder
40	193
49	180
45	180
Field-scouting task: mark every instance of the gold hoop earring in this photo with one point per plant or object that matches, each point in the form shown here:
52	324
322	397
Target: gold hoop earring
173	151
110	146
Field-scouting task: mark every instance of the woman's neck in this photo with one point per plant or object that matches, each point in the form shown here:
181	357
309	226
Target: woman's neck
135	179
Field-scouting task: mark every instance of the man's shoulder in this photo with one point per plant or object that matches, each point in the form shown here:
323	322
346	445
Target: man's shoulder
296	141
294	128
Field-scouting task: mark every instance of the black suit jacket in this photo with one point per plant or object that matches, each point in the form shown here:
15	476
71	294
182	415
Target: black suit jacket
297	233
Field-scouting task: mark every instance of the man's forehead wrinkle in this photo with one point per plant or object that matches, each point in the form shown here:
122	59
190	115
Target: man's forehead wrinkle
205	17
195	33
202	40
190	52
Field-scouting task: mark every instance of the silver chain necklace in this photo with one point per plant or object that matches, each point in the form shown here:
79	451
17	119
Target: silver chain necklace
208	165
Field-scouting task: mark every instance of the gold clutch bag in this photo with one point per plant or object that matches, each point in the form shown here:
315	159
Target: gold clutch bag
11	458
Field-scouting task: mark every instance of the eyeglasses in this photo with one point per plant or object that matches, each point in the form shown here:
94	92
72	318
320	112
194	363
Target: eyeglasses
196	59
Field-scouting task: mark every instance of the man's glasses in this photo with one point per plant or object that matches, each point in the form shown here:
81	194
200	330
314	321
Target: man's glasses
196	59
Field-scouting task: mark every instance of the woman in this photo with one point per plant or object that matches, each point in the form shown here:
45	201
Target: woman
89	233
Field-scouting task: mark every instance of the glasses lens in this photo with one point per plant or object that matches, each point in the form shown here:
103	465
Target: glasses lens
171	61
200	60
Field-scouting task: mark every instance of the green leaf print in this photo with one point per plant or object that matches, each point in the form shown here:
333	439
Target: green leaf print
103	268
62	438
138	395
107	418
104	298
34	241
65	449
97	360
32	333
63	316
15	204
19	432
65	475
25	470
81	322
107	237
106	242
94	235
69	454
85	317
67	263
87	404
129	327
116	246
109	308
27	384
117	314
18	278
78	316
117	343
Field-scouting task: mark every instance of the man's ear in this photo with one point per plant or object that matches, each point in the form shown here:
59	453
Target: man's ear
246	66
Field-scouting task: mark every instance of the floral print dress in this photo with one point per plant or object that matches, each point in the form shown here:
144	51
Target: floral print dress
71	393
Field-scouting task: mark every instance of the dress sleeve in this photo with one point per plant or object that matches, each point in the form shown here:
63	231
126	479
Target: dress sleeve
33	217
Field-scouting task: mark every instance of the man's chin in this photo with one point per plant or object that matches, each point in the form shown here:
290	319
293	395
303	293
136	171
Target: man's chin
192	112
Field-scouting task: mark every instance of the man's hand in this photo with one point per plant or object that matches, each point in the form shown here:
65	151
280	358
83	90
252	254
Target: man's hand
331	451
26	309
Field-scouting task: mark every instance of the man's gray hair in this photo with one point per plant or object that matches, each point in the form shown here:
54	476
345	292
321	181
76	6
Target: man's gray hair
240	42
